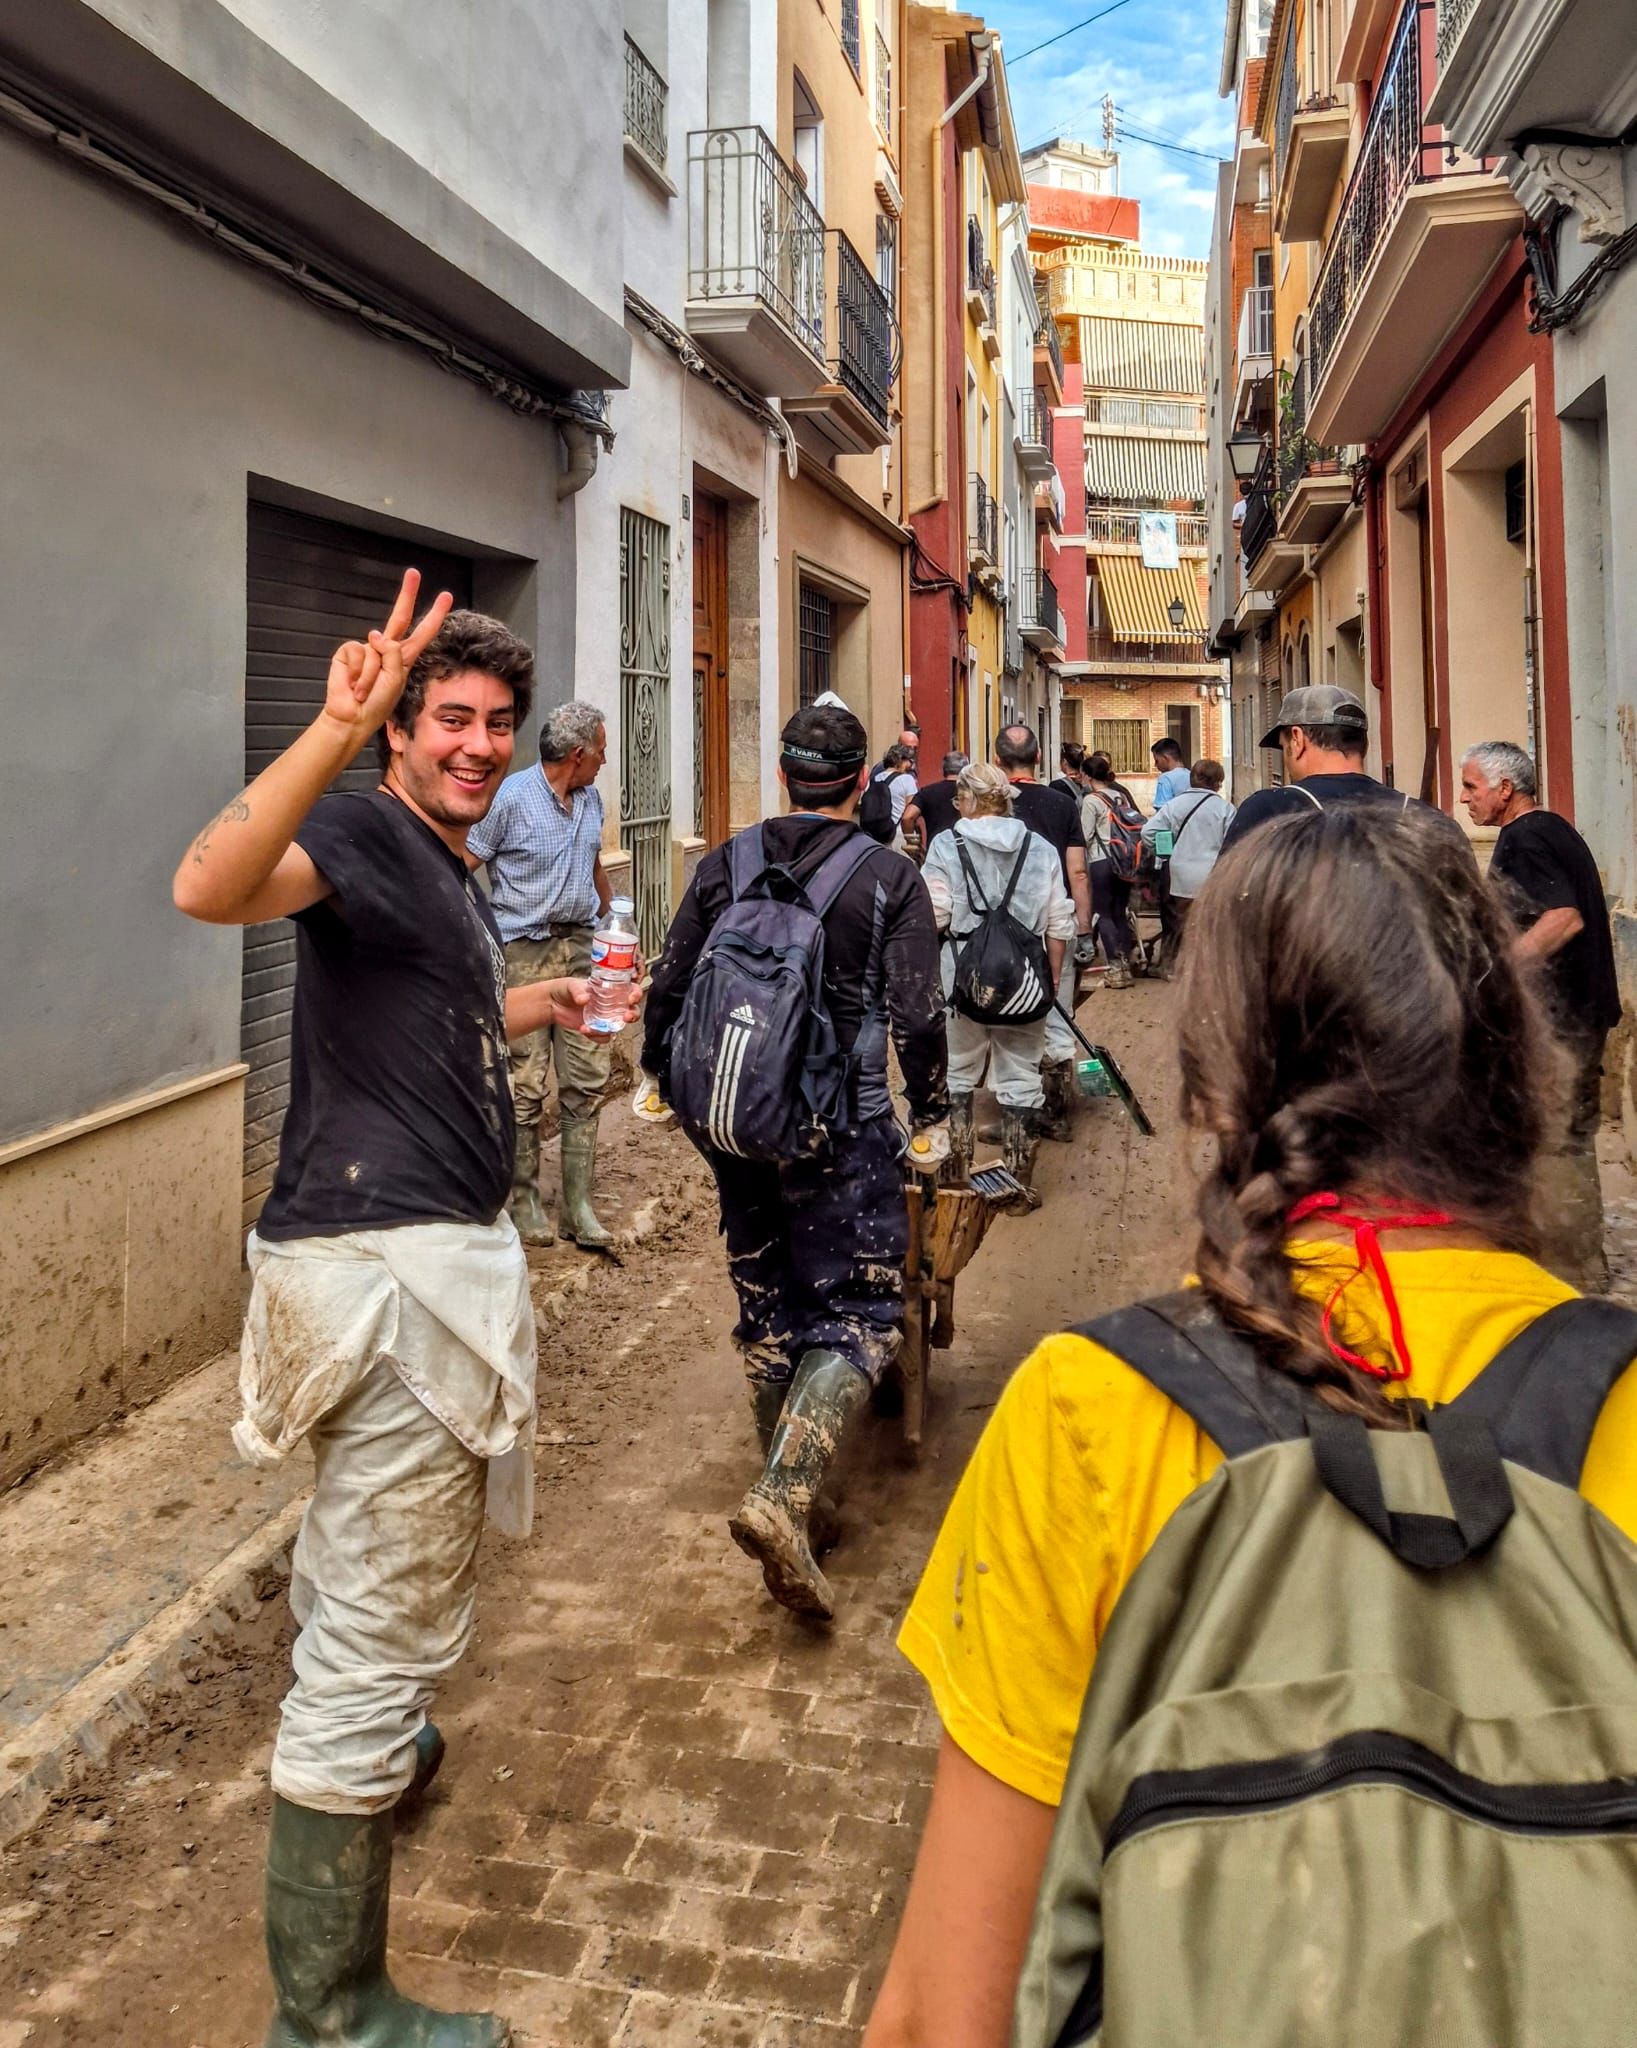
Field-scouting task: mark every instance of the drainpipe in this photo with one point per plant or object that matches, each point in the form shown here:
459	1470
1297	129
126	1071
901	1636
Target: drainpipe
983	42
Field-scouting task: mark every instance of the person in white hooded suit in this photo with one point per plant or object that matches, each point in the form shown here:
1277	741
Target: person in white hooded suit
1010	1053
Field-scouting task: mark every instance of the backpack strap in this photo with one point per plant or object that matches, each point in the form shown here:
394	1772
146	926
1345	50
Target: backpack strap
747	858
1302	789
1017	875
836	870
1542	1394
974	892
1180	1345
1176	836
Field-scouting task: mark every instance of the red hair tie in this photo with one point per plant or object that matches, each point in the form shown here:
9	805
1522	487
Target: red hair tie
1367	1246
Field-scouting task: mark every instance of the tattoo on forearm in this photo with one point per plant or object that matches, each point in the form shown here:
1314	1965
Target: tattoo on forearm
235	814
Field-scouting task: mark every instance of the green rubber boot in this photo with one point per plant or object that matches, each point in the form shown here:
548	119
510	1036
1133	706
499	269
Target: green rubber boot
774	1520
528	1212
767	1399
429	1754
328	1877
1020	1141
579	1164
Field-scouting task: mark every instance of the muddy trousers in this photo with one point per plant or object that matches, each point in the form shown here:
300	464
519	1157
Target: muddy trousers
816	1252
582	1063
383	1585
1060	1042
1011	1054
1572	1194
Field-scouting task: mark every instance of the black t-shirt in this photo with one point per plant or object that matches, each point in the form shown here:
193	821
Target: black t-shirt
400	1096
1064	787
1054	816
1351	788
1548	866
936	804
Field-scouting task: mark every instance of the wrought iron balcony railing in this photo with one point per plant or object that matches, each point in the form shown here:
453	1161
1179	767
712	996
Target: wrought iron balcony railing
1185	648
1261	521
883	84
1034	419
1453	16
1121	526
983	531
753	231
1046	335
1297	456
980	272
1397	153
852	40
1012	657
863	345
645	106
1040	606
1172	415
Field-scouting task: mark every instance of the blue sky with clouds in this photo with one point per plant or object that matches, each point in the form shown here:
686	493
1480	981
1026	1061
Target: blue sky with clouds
1159	58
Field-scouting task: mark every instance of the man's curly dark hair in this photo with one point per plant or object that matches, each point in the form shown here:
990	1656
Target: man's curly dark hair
465	640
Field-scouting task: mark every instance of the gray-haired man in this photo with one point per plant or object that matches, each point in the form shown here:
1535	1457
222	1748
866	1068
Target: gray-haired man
542	844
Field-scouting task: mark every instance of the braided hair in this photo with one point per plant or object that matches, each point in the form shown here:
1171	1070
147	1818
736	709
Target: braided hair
1353	1020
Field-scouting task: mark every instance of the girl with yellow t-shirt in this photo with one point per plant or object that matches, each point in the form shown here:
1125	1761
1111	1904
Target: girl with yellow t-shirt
1361	1043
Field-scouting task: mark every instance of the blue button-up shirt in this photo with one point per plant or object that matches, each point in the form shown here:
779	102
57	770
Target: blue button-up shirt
540	855
1174	782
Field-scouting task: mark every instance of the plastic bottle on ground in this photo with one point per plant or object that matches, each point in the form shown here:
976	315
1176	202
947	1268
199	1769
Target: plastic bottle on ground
613	966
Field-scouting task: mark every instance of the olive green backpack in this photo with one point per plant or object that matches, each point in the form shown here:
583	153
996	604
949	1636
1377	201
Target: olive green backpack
1358	1764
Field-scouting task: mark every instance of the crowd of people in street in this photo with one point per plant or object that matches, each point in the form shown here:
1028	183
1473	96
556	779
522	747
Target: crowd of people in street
1132	1617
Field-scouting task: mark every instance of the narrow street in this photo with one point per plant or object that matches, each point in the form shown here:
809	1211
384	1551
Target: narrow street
670	1813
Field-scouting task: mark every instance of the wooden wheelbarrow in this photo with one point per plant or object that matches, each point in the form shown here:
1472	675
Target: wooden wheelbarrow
946	1226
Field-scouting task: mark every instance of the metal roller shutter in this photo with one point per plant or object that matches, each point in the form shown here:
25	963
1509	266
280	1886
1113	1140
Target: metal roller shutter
311	585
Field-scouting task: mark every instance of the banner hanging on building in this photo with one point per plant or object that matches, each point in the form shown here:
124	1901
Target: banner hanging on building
1157	531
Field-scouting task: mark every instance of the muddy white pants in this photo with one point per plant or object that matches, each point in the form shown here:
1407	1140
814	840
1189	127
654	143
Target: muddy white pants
383	1584
1060	1042
1011	1052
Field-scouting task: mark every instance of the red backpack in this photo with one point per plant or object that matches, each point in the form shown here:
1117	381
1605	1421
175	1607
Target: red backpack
1123	833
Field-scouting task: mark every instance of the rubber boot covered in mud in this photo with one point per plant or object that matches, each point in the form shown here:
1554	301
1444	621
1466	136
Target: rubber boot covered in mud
1057	1078
1019	1143
962	1141
774	1520
430	1748
767	1398
328	1877
528	1212
579	1165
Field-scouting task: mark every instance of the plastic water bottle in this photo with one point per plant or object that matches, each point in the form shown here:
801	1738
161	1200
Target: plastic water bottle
613	966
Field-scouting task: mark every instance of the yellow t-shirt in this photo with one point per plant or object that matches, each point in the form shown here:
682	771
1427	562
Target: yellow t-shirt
1083	1462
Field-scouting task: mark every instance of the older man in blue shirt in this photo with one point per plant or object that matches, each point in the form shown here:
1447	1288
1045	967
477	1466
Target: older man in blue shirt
542	844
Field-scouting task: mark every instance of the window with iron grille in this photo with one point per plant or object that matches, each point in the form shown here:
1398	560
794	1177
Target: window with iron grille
1125	741
851	39
886	256
816	642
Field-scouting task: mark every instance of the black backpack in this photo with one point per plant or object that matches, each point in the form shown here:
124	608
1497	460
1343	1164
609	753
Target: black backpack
1002	975
755	1070
875	805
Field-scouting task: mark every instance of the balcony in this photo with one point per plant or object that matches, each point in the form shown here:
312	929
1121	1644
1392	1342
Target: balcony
1034	435
1315	483
1012	644
1117	530
1505	71
1270	559
645	110
1253	349
983	527
1050	504
1048	343
1041	617
1146	660
1419	233
851	411
756	294
1167	416
1309	150
982	289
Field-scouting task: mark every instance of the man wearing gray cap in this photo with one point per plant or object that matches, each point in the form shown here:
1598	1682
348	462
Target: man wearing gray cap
1322	731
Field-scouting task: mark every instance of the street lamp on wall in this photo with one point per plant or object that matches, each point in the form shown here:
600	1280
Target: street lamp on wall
1176	611
1244	453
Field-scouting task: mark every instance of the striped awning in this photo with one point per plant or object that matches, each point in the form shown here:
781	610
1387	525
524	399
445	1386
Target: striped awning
1133	469
1157	357
1137	600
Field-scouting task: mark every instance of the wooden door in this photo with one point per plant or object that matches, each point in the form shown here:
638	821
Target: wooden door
710	668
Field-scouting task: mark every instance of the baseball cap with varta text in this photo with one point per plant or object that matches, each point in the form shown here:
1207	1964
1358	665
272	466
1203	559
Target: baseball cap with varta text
1319	704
